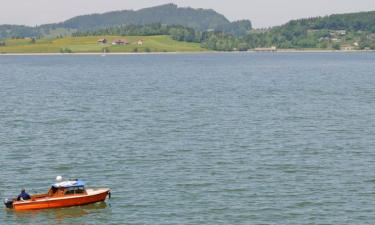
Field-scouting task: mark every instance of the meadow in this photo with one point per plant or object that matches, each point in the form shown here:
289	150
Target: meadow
90	44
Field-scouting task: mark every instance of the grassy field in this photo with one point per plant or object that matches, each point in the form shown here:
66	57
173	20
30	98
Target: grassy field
90	45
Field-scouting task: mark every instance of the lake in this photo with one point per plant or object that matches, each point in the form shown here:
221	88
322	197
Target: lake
244	138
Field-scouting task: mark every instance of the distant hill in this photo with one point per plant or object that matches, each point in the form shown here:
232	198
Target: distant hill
362	21
349	31
18	31
169	14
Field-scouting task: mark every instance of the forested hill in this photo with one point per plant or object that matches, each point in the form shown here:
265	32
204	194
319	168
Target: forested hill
7	31
352	31
362	21
169	14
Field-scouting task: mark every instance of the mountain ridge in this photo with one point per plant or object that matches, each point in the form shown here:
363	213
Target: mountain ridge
168	14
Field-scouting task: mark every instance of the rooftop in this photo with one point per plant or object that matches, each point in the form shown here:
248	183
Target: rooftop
66	184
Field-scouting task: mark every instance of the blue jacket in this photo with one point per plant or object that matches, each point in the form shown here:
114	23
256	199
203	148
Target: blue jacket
24	196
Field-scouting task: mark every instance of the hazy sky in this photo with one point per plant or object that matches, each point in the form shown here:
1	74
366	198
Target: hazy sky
262	13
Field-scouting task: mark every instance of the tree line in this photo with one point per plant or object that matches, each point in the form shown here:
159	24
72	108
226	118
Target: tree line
215	40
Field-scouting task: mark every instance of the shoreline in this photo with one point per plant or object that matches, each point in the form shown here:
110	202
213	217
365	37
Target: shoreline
181	53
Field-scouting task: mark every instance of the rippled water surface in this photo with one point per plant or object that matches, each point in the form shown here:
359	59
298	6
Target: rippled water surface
193	139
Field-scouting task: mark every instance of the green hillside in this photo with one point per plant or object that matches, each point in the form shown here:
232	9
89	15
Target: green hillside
161	43
362	21
340	31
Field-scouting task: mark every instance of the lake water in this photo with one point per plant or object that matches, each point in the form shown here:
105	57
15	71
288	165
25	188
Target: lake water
286	138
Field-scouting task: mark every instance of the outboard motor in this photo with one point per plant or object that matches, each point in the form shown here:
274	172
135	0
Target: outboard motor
8	203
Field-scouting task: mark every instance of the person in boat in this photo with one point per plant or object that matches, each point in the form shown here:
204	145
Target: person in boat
23	196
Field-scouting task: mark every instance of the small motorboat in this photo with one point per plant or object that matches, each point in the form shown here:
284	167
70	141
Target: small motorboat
61	194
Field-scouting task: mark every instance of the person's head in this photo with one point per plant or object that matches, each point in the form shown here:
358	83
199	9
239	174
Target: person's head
23	190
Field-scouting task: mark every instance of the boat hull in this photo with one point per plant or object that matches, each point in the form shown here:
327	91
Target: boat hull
48	203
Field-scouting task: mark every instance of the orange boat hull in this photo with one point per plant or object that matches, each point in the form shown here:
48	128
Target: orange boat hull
48	203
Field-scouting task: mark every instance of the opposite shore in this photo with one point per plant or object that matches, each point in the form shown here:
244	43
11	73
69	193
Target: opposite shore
192	52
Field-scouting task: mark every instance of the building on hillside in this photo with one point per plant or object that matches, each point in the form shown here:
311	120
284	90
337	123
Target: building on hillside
347	48
102	41
341	32
335	33
140	42
371	36
271	49
324	39
120	42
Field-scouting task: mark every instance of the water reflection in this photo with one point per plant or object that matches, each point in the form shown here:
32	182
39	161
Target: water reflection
59	215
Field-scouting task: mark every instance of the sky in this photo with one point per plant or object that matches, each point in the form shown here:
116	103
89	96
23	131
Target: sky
262	13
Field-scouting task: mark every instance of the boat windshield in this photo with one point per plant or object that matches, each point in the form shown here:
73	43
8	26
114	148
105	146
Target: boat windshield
74	190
